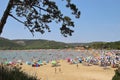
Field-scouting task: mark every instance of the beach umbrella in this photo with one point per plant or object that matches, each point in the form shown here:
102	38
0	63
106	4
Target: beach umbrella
40	62
6	62
28	63
80	60
10	62
54	62
68	59
19	61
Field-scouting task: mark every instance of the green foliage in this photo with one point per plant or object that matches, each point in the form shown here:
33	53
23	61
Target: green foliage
44	44
31	44
117	75
8	44
105	45
37	14
14	73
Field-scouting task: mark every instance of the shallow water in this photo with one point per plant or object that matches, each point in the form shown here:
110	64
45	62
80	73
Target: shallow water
44	55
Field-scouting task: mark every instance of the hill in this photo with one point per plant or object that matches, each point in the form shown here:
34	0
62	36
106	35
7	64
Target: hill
31	44
105	45
41	44
99	45
47	44
8	44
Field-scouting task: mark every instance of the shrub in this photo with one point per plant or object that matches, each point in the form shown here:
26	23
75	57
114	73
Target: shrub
8	73
117	74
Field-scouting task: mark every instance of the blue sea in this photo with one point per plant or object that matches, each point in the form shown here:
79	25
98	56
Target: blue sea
42	54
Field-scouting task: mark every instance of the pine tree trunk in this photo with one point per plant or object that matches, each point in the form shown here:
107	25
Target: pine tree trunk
5	15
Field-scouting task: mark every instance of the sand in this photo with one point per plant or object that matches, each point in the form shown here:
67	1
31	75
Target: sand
70	72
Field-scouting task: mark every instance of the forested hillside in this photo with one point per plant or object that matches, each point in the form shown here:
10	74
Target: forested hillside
47	44
31	44
105	45
42	44
8	44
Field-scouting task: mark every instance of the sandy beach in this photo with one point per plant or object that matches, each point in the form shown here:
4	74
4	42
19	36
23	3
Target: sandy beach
70	72
65	71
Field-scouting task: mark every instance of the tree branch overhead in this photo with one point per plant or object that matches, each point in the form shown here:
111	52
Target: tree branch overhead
39	13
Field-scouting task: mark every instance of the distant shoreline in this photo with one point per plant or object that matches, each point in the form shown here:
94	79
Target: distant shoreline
36	49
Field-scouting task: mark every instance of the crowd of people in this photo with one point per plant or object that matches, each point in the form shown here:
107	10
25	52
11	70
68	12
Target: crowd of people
102	58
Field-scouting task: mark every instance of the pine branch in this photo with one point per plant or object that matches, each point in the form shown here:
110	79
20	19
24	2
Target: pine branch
16	19
21	22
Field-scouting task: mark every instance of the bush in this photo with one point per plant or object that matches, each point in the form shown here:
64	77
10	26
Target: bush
8	73
117	74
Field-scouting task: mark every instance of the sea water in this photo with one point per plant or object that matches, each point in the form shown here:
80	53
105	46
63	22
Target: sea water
42	54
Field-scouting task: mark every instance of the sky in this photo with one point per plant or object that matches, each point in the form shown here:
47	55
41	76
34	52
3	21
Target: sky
99	21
